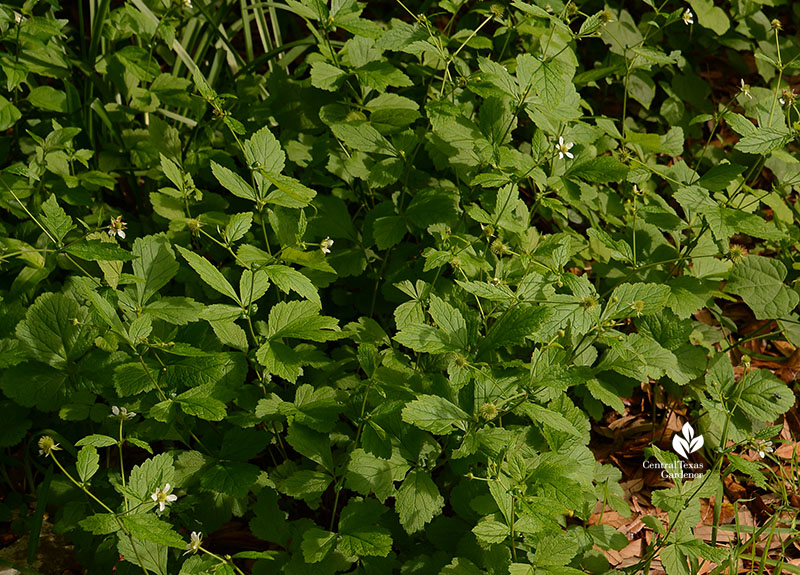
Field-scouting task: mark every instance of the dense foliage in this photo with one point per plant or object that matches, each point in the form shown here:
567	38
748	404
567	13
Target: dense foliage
358	279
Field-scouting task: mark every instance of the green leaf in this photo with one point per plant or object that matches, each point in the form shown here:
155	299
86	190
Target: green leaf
209	274
759	281
288	279
549	80
674	560
233	478
601	392
148	527
198	402
418	501
233	182
55	330
424	338
763	141
9	114
388	231
96	440
326	77
134	378
175	310
96	250
363	137
368	474
300	319
49	99
155	265
151	474
100	524
317	544
600	170
711	17
719	177
269	522
635	300
312	444
435	414
290	192
763	396
359	532
238	226
55	219
550	418
263	150
87	463
490	531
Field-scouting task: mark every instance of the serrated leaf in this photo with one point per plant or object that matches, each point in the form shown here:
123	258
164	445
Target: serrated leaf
763	141
435	414
155	265
288	279
300	319
233	182
87	463
759	281
312	444
326	77
209	274
418	501
763	396
148	527
55	219
317	544
97	440
55	330
550	418
96	250
100	524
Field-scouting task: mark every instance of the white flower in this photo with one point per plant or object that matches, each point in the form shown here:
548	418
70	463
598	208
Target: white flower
121	413
17	17
782	101
117	227
187	4
195	543
325	245
563	148
763	447
688	17
163	497
746	89
47	444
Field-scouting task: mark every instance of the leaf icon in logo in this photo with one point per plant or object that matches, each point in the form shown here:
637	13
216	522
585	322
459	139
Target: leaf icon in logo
687	444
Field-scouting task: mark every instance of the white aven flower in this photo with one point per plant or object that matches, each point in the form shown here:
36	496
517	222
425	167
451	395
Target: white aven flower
787	97
194	545
763	447
563	148
163	497
746	89
117	227
688	17
325	245
17	17
187	4
121	413
47	445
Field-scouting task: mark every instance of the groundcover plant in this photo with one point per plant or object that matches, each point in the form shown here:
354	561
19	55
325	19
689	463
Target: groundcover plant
433	287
